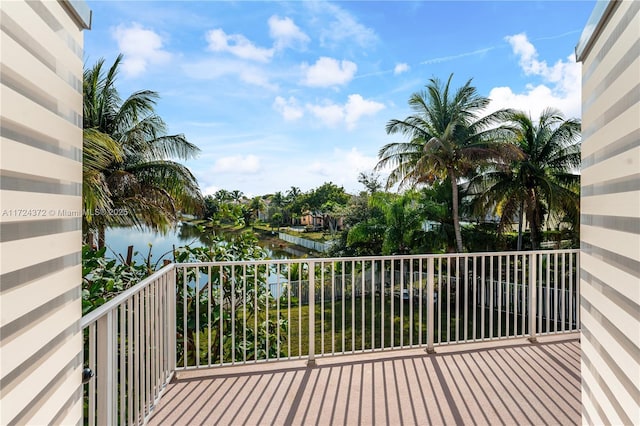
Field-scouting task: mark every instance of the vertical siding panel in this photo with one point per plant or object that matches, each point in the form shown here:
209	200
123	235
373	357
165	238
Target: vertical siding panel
610	231
40	176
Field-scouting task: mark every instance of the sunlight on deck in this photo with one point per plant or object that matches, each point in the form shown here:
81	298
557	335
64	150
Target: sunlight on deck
508	382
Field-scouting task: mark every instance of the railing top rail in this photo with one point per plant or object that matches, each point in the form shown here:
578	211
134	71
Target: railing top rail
372	258
123	297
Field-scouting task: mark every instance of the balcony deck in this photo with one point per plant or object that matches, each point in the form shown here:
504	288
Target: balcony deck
498	382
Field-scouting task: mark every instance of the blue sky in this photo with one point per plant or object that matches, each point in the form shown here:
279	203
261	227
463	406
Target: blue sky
281	94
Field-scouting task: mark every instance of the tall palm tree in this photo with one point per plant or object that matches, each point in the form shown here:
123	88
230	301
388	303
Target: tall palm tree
544	181
128	167
236	195
447	139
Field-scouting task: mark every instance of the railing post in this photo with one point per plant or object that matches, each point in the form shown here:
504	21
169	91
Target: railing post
312	315
106	370
533	297
173	319
431	309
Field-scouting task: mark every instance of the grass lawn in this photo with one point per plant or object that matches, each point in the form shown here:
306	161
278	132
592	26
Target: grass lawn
358	332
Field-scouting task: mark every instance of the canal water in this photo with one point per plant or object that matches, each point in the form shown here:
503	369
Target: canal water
161	245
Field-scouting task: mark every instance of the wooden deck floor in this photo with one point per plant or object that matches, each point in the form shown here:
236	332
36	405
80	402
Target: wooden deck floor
506	382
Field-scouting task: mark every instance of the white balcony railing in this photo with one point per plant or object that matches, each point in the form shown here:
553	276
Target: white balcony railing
195	315
130	346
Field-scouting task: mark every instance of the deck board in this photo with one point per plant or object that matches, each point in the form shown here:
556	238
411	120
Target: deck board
505	382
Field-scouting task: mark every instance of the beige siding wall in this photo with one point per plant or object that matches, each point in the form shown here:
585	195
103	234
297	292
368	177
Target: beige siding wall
610	230
40	211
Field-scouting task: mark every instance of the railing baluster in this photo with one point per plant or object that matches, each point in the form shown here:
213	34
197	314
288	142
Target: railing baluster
362	311
411	319
430	305
465	308
491	296
155	342
209	301
578	286
121	342
130	349
483	295
185	330
312	319
522	307
322	309
138	357
555	292
232	287
92	366
401	301
392	262
221	315
106	369
513	299
373	305
353	306
533	278
277	296
196	302
474	280
507	295
382	298
564	267
570	294
148	351
448	325
439	301
507	300
300	311
457	278
420	288
289	309
255	312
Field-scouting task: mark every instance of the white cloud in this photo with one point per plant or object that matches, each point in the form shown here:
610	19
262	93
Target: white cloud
341	25
141	47
238	164
288	108
357	107
216	68
400	68
329	113
350	113
342	167
210	189
286	33
238	45
560	87
328	72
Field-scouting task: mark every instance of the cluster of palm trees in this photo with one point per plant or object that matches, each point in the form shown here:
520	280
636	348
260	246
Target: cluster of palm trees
511	165
130	173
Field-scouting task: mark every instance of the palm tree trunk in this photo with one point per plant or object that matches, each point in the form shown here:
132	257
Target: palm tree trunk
456	215
520	218
89	238
101	236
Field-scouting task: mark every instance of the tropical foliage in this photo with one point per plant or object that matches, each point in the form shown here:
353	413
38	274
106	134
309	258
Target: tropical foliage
103	277
447	139
129	175
215	293
544	182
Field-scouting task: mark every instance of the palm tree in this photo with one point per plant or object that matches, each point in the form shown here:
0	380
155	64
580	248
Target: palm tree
447	139
293	193
544	181
128	168
236	195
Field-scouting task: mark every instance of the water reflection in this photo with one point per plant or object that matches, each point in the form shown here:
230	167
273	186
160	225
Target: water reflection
160	246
